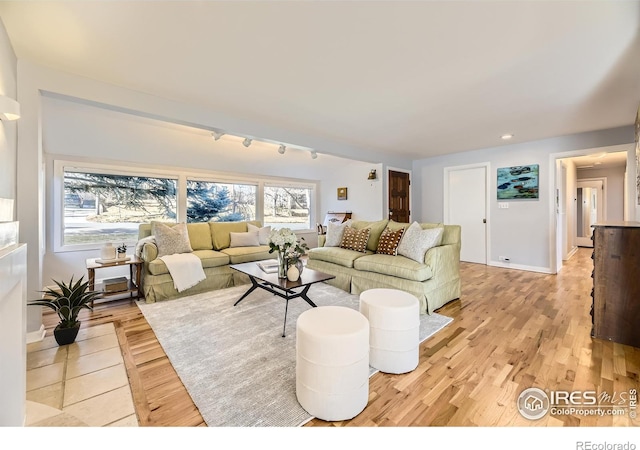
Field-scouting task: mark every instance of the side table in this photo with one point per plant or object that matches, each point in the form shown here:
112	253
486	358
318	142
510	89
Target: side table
134	286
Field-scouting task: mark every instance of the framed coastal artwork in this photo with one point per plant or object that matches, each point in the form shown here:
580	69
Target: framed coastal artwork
518	182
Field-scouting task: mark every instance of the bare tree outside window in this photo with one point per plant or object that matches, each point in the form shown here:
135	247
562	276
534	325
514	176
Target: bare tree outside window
287	207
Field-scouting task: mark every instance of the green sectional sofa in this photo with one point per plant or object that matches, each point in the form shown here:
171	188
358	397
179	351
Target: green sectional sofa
435	282
210	242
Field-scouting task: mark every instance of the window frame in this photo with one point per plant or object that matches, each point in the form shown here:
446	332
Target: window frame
60	167
289	184
181	176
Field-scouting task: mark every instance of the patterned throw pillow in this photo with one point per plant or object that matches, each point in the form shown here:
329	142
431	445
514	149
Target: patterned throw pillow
171	239
416	241
389	240
353	239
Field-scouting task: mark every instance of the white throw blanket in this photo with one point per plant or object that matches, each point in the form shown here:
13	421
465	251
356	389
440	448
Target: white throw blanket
149	239
185	269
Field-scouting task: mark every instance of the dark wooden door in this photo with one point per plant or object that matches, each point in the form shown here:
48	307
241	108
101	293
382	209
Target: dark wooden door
399	189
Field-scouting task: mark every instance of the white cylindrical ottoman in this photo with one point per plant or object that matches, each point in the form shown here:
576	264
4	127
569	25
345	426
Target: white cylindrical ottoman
332	362
394	321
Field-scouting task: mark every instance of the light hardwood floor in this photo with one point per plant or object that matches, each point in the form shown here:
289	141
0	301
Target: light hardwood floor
512	330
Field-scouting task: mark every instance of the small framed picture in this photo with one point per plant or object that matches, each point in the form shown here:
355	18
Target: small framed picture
342	193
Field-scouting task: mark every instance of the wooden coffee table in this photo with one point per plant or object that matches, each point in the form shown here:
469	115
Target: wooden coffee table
281	287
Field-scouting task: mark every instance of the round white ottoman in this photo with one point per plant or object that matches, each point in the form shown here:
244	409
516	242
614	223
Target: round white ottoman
332	362
394	320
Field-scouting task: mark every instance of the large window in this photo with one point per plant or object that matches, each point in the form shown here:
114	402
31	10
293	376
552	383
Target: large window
287	206
99	207
220	202
98	203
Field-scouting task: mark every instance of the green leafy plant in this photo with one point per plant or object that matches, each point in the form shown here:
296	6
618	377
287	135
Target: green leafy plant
122	248
67	301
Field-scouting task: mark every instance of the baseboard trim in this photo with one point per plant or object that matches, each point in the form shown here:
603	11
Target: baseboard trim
36	336
571	253
506	265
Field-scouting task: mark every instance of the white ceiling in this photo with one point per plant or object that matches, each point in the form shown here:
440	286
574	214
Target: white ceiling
417	79
600	160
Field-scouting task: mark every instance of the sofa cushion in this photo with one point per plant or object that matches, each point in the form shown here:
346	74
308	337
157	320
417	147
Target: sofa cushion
336	255
395	266
239	255
199	236
376	230
209	258
220	232
389	240
416	241
355	240
248	239
394	226
171	239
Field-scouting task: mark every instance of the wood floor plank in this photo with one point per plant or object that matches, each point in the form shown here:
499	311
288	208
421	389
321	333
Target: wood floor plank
511	330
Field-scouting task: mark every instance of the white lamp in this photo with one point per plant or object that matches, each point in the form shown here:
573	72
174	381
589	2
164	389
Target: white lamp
9	108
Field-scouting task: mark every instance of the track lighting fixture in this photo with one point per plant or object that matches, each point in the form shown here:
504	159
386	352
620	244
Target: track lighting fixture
246	142
314	155
216	135
282	149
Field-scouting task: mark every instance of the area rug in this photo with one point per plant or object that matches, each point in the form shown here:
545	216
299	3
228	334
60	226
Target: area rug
234	362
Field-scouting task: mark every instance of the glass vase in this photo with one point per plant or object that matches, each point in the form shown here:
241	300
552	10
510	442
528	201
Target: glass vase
282	265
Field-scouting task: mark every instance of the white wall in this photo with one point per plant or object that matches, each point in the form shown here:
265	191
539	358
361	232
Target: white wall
614	202
8	77
522	232
78	131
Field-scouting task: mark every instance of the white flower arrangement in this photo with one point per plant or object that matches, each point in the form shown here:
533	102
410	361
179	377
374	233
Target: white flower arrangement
285	241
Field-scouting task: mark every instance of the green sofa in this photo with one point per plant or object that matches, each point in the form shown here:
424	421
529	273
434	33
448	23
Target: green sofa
434	282
210	242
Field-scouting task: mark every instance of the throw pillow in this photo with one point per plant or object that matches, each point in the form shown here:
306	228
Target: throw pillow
171	239
263	233
248	239
335	231
376	230
353	239
416	241
389	240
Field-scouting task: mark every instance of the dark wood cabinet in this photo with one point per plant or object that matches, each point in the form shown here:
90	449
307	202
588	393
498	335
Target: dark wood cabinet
616	282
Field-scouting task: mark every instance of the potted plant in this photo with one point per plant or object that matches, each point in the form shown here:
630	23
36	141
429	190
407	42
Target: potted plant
122	251
67	301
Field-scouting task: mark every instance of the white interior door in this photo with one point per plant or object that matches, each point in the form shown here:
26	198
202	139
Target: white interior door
466	205
590	210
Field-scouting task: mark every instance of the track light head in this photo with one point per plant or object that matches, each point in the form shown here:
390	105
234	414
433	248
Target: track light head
282	149
216	135
314	155
246	142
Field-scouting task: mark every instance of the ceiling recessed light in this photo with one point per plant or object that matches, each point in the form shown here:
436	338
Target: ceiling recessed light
506	137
